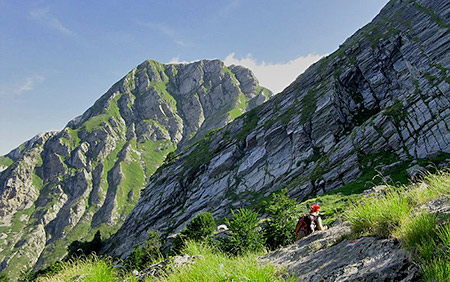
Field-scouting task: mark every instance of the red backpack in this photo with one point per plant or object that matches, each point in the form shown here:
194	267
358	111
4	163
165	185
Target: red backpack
304	224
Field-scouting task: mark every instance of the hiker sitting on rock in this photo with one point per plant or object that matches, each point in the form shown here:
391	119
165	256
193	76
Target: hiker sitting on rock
309	223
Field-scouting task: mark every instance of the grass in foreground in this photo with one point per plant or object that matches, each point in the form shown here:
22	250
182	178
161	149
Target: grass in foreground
91	269
397	214
217	266
211	265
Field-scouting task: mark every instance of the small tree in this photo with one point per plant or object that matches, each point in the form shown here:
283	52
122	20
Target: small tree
77	248
244	233
282	212
142	256
200	227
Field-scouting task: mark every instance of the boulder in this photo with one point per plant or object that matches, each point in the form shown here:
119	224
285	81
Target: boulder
416	171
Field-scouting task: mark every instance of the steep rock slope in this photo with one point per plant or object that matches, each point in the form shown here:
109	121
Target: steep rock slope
63	186
382	98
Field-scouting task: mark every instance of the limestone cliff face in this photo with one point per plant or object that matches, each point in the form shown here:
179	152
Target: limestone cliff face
382	98
63	186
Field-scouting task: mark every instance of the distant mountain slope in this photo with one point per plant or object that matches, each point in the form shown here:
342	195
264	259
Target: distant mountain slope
63	186
380	102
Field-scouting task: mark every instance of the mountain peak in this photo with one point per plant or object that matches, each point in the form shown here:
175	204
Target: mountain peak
89	175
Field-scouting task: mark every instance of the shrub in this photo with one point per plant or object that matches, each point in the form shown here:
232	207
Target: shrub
279	229
52	269
244	233
200	227
141	257
4	278
77	248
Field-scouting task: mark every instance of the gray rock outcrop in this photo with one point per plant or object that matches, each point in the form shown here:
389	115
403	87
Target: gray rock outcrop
382	98
324	256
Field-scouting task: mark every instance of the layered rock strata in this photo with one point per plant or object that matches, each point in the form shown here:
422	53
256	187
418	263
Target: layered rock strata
381	101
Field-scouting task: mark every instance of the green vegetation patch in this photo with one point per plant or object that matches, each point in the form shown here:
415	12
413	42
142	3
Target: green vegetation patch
431	79
161	127
153	154
6	161
396	111
74	140
309	105
262	91
174	70
37	181
130	81
443	72
130	185
433	16
199	156
159	83
241	103
16	223
226	70
159	71
108	164
161	88
96	122
19	221
251	119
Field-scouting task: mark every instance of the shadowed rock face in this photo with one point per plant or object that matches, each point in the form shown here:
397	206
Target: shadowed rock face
63	186
384	94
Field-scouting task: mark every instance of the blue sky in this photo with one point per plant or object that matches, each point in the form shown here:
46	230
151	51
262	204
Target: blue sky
58	57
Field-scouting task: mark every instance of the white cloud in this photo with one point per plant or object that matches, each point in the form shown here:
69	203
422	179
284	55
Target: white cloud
44	16
176	60
275	76
29	84
165	30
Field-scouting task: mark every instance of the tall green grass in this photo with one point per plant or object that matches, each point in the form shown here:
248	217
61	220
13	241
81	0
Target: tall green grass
213	265
91	269
397	214
379	216
210	265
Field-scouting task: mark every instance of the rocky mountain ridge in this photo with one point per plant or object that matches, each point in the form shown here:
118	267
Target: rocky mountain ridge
63	186
380	101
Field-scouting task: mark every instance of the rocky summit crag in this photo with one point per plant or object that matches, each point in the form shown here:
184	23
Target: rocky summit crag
380	102
64	186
